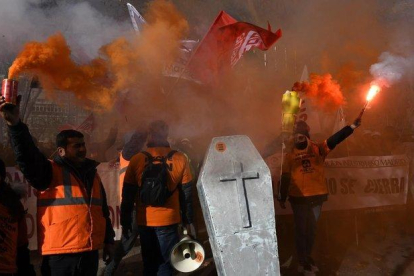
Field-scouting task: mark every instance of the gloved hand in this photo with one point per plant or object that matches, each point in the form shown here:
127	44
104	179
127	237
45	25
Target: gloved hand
356	123
290	108
10	112
126	223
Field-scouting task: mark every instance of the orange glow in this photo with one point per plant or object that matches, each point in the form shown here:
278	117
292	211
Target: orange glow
373	91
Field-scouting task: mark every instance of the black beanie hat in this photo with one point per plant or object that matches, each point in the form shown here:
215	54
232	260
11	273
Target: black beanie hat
2	169
302	127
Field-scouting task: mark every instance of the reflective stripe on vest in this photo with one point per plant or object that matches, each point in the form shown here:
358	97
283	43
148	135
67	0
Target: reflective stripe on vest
68	219
123	170
68	199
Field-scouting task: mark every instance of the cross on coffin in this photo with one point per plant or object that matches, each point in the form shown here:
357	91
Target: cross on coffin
240	176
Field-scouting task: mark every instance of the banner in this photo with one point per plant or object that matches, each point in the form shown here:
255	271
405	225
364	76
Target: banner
353	183
358	182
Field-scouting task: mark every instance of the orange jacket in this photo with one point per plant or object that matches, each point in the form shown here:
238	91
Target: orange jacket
68	221
179	173
306	169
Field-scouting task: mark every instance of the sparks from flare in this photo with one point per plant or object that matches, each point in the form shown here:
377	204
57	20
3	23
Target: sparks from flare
373	91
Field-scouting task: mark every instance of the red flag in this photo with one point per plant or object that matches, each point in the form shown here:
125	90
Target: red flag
88	124
241	37
224	45
204	62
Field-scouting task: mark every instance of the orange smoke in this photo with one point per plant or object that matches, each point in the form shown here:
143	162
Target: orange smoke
52	63
324	92
120	64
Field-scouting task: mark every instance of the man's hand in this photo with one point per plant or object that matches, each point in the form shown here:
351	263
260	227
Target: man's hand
108	253
356	123
191	230
282	204
126	231
10	112
126	223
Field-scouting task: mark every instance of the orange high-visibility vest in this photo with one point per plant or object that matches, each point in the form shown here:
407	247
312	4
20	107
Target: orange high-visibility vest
306	168
68	221
123	166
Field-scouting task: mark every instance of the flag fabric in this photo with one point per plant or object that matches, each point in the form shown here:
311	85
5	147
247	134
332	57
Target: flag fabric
241	37
204	62
308	112
137	20
339	121
177	68
88	124
225	43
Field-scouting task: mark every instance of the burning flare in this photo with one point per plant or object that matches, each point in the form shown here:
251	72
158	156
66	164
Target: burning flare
373	91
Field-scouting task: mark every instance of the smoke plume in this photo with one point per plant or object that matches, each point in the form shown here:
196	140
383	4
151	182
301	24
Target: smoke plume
85	28
324	91
391	68
119	65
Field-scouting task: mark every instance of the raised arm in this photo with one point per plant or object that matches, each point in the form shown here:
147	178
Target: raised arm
34	165
342	134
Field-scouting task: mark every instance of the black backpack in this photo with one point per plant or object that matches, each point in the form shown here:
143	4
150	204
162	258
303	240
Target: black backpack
154	190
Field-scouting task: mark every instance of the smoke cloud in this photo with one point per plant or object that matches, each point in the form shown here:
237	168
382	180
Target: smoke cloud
323	91
317	34
391	68
121	62
85	28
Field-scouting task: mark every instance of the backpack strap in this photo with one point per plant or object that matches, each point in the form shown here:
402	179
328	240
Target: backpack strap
148	155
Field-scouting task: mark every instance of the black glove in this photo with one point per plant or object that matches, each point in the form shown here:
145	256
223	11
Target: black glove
356	123
126	223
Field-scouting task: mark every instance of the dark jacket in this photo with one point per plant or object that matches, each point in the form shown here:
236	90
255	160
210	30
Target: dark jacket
37	169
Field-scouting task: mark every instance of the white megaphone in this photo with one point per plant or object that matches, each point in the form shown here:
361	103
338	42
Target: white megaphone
187	255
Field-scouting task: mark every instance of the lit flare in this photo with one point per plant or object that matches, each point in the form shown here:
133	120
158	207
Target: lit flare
373	91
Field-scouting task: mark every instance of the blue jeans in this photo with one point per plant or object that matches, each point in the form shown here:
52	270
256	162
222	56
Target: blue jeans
156	246
306	216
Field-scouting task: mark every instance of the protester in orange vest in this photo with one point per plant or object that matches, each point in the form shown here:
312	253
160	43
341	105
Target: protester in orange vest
160	175
133	145
303	179
14	254
72	213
